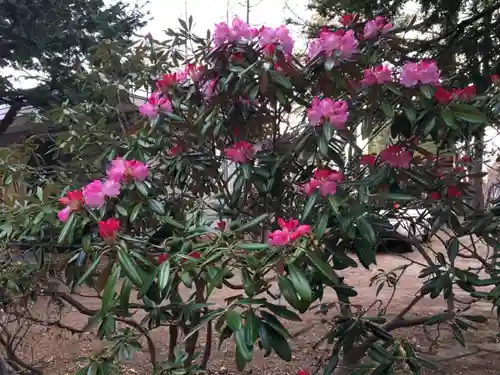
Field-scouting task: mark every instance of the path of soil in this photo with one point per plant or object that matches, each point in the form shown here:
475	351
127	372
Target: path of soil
61	349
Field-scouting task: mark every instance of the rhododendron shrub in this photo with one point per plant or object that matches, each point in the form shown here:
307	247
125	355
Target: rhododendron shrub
246	163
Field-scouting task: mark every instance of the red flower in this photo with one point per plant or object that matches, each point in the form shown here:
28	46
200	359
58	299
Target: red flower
175	150
346	19
443	96
396	157
454	192
74	199
495	78
302	372
221	225
466	159
396	205
434	195
368	159
161	258
240	152
467	93
108	229
195	254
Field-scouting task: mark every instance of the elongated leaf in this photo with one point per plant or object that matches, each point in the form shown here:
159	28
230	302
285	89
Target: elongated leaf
130	267
280	345
164	275
323	267
252	326
300	283
366	231
109	290
233	320
241	345
309	206
282	312
252	223
90	270
156	206
67	229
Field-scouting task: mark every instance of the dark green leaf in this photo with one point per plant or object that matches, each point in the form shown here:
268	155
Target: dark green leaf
300	283
323	267
233	320
156	206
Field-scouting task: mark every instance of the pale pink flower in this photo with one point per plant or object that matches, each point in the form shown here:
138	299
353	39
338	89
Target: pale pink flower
379	74
241	152
111	188
269	36
424	72
94	195
375	27
325	180
239	31
289	232
63	214
336	45
122	169
396	157
155	103
322	110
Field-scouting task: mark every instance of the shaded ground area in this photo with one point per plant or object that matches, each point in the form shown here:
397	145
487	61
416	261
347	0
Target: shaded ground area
61	348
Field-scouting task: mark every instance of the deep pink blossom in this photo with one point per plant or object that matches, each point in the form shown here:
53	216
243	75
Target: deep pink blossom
239	31
73	200
454	192
241	152
425	72
396	157
347	19
108	229
280	36
368	159
289	232
96	192
336	45
195	72
171	79
374	28
443	96
323	110
122	169
325	180
155	103
377	75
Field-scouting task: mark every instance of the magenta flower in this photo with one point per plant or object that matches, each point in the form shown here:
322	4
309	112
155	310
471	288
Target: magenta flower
96	192
375	27
195	71
424	72
241	152
368	159
336	45
63	214
377	75
273	37
328	110
289	232
122	169
325	180
396	157
155	103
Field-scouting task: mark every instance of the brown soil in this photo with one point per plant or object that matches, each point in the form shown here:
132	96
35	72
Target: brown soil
59	349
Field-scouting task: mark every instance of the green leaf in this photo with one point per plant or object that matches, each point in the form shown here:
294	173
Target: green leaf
387	109
452	248
164	275
121	210
252	223
300	283
469	113
410	113
280	345
172	222
321	225
323	145
253	246
141	187
67	229
288	291
399	197
246	171
282	312
135	212
248	284
89	270
457	333
130	267
109	290
448	117
124	297
156	206
323	267
427	91
366	231
241	345
252	326
233	320
309	206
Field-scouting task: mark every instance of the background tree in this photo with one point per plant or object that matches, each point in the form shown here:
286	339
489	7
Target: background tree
53	40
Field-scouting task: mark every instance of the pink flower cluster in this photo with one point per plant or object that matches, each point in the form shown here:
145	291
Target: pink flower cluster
374	28
396	157
156	103
269	38
325	180
289	232
122	170
424	72
328	110
241	152
97	191
239	31
336	45
377	75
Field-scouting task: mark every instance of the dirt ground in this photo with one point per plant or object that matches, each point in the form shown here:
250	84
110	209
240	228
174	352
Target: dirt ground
60	349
